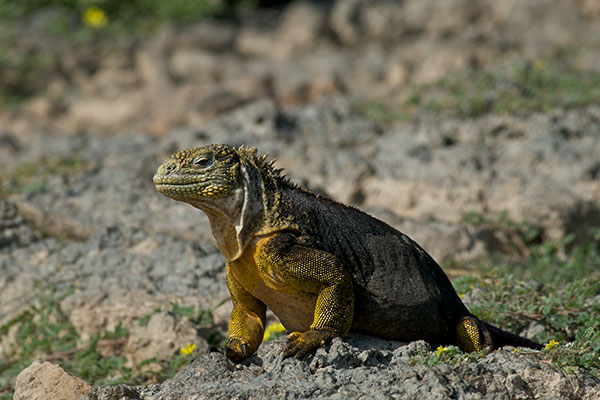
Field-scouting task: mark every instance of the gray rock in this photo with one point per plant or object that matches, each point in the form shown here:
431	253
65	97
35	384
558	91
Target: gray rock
14	232
162	336
362	367
216	36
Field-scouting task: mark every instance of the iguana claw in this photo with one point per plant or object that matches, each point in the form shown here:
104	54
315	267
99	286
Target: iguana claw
236	350
303	344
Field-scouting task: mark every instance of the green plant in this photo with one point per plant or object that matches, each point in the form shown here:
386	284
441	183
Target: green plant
43	331
377	111
119	15
446	355
32	176
563	300
524	86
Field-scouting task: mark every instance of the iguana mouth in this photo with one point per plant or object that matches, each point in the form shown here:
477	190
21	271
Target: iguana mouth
179	187
188	186
176	180
170	186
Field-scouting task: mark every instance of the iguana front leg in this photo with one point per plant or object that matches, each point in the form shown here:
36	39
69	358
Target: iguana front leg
246	322
314	271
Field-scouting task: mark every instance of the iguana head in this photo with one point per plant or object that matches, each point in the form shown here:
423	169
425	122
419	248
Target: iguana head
235	188
199	176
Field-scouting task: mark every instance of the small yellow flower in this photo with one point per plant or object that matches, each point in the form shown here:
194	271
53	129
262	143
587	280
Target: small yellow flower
440	350
188	349
95	17
273	329
539	64
551	344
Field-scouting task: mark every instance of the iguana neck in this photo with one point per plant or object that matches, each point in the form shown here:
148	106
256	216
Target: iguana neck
246	214
223	228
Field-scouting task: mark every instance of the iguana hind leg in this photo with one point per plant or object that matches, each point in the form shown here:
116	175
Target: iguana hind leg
471	335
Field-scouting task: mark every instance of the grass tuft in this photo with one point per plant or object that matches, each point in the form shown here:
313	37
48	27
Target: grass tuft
32	176
527	86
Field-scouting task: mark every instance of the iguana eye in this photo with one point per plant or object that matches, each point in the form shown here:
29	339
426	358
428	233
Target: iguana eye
201	162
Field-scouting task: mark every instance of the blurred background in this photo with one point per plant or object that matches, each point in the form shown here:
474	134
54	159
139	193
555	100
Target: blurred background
472	126
108	66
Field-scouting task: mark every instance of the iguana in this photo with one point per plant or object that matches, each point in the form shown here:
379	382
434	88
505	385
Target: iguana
322	267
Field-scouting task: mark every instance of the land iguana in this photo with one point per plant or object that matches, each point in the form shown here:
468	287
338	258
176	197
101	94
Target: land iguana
322	267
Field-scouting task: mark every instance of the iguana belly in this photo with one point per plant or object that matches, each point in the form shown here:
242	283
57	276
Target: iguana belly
293	307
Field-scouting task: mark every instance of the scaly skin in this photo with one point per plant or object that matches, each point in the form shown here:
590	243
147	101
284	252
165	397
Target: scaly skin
322	267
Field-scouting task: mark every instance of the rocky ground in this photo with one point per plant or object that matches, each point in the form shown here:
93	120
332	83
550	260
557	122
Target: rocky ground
79	213
360	367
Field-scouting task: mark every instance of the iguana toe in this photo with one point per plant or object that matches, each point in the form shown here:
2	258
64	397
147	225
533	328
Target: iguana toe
236	350
303	344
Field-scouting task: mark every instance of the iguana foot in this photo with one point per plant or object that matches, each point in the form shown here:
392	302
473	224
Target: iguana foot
303	344
236	350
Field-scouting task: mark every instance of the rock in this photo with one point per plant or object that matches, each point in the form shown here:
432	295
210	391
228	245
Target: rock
306	80
443	241
438	61
197	65
343	20
299	27
434	170
211	35
44	107
537	38
458	15
111	82
162	336
360	366
93	317
533	329
105	113
254	42
14	232
359	21
152	69
47	381
297	31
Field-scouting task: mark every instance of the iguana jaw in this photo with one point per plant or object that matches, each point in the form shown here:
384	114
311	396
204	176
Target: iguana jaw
178	191
187	185
223	210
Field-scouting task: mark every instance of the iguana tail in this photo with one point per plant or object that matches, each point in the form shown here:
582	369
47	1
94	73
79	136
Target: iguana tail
504	338
472	334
